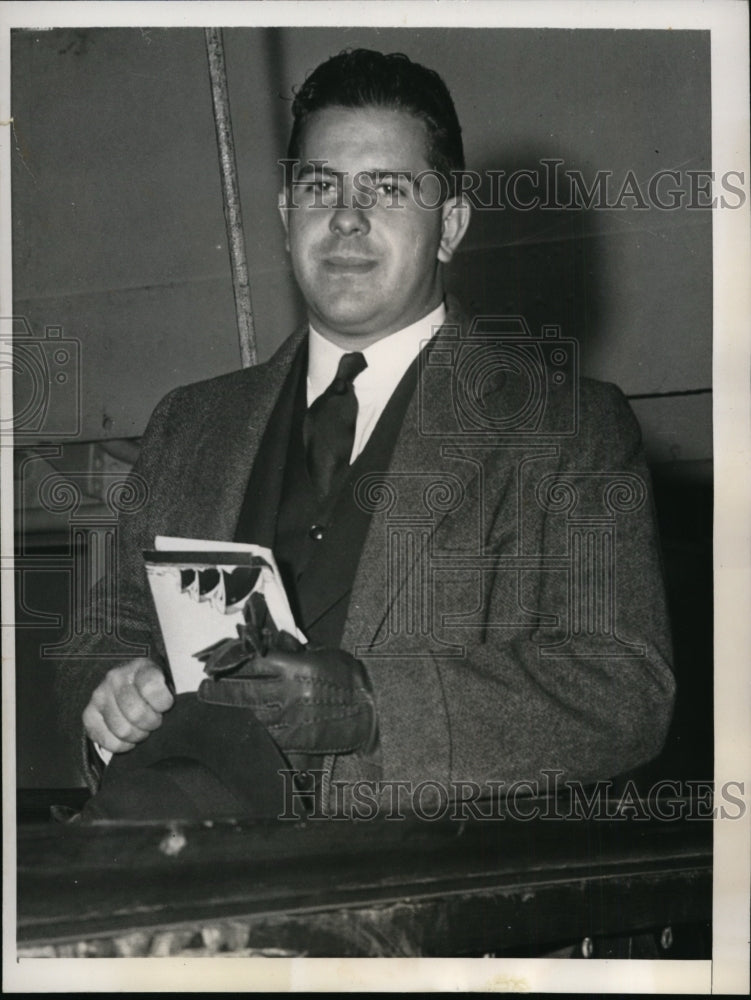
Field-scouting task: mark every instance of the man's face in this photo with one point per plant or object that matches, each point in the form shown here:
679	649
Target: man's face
366	256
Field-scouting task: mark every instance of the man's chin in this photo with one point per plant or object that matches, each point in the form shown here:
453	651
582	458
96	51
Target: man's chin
347	319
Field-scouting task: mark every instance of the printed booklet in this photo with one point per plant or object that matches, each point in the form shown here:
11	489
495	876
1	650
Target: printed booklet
200	589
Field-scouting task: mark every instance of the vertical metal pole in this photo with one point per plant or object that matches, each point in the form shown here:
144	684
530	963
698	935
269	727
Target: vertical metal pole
231	196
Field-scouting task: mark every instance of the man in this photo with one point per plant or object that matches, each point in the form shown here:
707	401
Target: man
482	601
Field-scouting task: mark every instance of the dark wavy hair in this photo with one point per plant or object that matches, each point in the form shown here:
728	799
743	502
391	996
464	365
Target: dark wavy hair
361	78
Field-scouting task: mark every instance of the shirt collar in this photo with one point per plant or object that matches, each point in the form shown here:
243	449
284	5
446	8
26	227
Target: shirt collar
388	358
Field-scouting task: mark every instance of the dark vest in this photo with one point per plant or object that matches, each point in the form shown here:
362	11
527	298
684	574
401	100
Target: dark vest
316	543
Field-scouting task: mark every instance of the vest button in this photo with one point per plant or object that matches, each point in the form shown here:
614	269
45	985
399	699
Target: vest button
316	532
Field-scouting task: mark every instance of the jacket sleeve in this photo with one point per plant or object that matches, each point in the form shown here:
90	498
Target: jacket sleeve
120	616
536	689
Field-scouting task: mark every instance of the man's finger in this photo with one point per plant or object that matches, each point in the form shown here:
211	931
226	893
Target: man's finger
114	745
96	730
150	683
123	708
121	727
134	707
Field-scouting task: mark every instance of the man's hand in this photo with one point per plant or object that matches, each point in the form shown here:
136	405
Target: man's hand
311	701
127	705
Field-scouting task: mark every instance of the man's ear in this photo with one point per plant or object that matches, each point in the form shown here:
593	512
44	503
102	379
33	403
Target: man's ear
284	214
455	216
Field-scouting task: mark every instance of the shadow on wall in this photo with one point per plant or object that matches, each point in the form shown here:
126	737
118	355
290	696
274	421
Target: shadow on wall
542	262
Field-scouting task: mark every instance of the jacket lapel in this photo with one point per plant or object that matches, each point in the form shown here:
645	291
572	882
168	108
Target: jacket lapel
223	455
432	498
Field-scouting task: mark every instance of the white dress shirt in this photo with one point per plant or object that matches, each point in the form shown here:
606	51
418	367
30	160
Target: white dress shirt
388	359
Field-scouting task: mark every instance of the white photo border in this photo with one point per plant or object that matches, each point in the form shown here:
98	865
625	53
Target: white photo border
728	972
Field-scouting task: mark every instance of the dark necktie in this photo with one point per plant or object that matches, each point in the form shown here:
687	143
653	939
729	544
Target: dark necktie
329	427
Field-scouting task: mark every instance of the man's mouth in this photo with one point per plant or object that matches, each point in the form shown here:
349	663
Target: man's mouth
339	263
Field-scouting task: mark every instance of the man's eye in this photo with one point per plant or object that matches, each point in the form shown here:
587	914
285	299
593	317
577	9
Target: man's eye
317	188
391	193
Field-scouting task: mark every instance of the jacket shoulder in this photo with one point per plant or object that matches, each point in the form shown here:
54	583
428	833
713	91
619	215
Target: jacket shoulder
605	420
603	396
605	401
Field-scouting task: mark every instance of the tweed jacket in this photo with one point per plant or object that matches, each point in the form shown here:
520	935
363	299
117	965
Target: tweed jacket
508	603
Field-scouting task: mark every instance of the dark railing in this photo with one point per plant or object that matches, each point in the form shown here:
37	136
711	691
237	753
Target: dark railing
621	887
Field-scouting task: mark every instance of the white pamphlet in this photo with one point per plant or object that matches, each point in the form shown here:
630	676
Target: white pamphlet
200	588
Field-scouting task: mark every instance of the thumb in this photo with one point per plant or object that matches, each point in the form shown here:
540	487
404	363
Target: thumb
150	683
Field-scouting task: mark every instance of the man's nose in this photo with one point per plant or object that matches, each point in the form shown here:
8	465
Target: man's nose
348	220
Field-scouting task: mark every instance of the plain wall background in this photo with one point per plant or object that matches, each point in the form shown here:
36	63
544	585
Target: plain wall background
119	235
